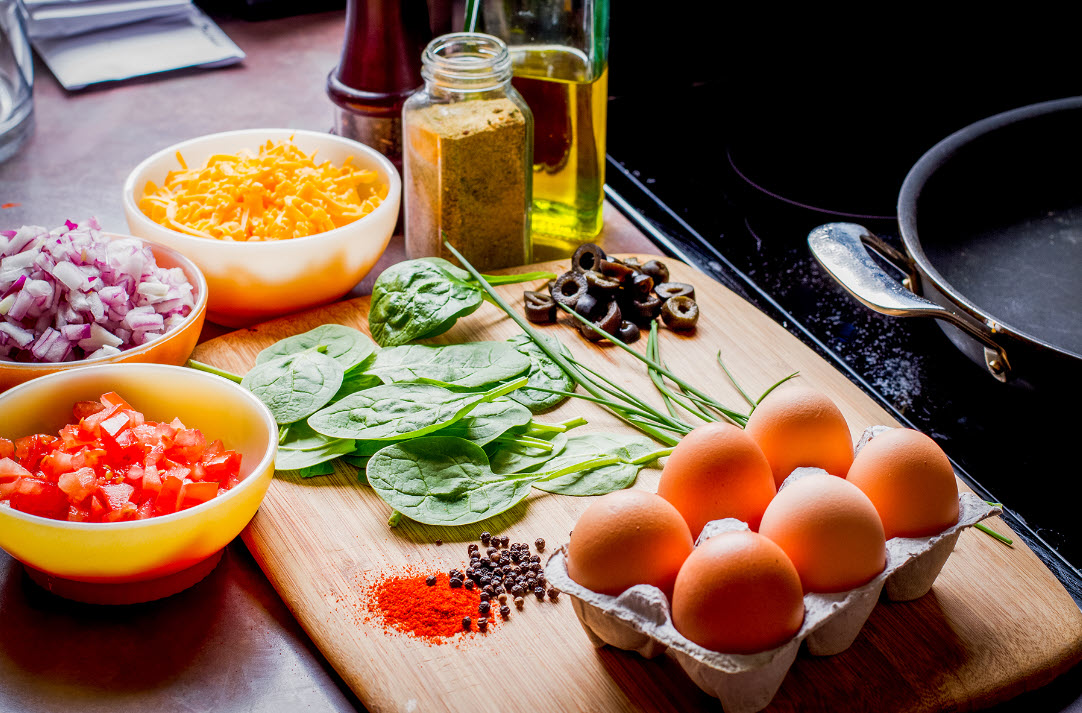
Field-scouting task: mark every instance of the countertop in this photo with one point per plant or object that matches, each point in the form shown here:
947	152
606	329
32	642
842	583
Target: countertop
229	643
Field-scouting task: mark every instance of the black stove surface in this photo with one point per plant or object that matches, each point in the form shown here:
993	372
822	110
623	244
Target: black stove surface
732	206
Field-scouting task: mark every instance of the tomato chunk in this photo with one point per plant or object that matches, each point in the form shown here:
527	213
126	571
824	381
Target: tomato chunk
111	465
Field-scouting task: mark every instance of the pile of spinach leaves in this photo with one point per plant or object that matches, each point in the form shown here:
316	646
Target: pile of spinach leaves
445	435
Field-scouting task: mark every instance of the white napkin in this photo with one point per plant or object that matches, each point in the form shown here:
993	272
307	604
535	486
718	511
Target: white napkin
89	41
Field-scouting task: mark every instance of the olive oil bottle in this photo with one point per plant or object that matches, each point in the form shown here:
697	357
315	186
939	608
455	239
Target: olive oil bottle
568	105
559	55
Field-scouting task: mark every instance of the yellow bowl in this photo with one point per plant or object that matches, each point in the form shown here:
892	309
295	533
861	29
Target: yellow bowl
142	550
174	347
253	281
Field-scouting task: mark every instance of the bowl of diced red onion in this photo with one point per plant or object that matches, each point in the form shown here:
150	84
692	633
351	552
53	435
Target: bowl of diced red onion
74	296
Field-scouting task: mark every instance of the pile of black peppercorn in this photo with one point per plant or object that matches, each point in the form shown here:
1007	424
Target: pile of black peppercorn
504	569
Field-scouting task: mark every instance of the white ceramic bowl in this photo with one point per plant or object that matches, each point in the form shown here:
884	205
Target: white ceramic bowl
251	282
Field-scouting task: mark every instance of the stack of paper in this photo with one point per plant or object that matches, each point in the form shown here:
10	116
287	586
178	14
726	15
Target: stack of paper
89	41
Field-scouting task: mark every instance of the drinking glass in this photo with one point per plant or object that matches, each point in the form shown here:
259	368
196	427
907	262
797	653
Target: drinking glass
16	79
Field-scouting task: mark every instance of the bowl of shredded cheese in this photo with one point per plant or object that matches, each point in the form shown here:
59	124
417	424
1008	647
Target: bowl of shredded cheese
278	220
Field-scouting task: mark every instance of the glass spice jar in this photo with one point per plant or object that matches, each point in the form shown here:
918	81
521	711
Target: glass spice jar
467	155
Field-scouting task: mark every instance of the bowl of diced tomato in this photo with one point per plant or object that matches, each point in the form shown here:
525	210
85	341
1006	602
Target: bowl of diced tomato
278	220
123	482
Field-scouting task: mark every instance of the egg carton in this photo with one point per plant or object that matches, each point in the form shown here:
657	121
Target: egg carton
640	618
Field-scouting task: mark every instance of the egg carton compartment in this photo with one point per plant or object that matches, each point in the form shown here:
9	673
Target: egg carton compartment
640	618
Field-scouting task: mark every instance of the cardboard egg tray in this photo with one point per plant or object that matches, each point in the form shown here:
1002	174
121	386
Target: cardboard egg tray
640	618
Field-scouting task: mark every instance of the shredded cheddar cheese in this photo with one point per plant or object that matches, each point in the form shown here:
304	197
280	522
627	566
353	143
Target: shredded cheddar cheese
279	194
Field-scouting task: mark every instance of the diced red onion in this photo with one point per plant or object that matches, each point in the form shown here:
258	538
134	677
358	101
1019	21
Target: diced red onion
70	293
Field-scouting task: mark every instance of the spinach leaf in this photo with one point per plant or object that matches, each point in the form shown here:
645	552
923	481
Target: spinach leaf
488	421
314	470
511	457
396	411
344	344
597	481
304	448
544	372
415	299
295	386
440	480
464	366
356	380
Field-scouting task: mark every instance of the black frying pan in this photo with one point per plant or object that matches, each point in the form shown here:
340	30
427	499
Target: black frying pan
991	219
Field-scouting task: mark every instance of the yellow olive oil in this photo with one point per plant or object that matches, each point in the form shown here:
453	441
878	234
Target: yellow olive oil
568	99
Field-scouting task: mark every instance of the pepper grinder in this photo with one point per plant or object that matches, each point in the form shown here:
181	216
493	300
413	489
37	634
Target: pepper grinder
380	68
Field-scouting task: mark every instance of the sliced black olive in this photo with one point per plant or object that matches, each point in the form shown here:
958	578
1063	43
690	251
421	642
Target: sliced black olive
610	322
668	290
568	288
628	332
642	309
633	263
616	270
588	306
642	283
540	307
587	257
657	270
599	284
680	312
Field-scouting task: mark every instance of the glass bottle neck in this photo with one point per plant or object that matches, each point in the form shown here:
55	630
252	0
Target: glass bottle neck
465	63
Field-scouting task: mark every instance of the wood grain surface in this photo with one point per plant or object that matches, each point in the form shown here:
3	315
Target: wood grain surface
995	624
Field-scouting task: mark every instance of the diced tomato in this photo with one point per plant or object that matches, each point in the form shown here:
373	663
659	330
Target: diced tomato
82	409
74	438
78	485
127	511
168	496
188	445
222	467
134	473
145	510
29	450
152	482
55	463
89	458
10	470
192	494
116	496
38	497
116	423
112	399
213	449
91	425
97	509
113	465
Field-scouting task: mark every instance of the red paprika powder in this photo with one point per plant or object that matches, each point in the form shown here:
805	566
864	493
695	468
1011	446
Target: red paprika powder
406	603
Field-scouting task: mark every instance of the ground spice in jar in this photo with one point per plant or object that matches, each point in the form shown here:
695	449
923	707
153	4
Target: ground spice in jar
406	603
467	180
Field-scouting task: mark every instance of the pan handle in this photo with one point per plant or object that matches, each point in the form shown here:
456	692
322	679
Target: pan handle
839	248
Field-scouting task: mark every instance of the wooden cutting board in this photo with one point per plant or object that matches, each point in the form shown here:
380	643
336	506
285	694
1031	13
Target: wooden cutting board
996	623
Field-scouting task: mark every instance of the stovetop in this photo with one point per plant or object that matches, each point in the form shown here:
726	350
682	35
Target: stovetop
718	197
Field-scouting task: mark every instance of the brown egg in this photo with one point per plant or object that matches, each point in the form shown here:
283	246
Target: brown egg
830	530
796	426
626	538
910	481
717	471
738	593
